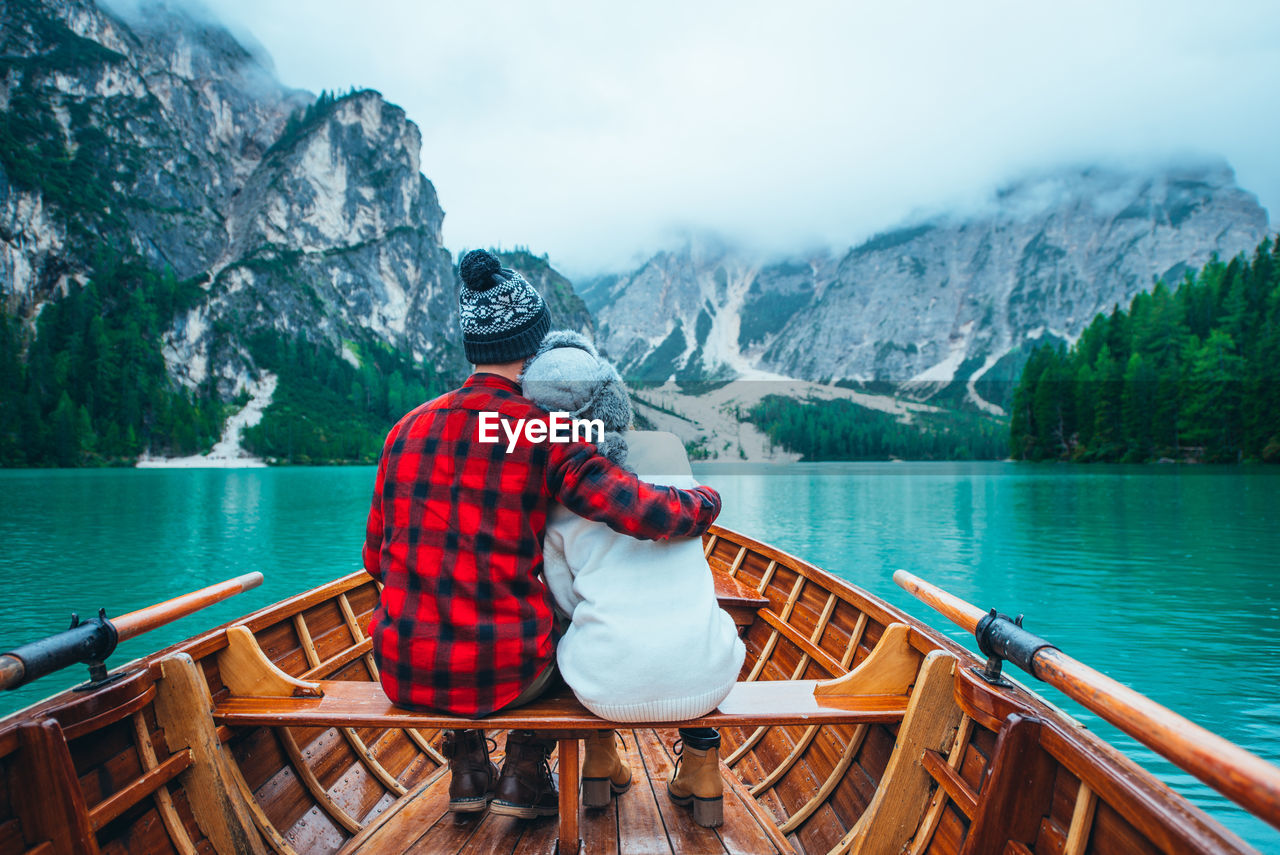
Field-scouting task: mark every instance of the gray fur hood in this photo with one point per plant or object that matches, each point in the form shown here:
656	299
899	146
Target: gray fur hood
568	375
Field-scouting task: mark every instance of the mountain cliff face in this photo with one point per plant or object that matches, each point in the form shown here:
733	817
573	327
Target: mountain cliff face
335	232
952	300
274	216
162	125
295	215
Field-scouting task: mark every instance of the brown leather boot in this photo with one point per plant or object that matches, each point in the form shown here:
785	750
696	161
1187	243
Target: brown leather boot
525	788
604	774
474	776
697	782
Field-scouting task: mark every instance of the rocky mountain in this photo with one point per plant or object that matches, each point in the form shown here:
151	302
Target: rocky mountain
181	236
949	303
294	214
162	139
568	311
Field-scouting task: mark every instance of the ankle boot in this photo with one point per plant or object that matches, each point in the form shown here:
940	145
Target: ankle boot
604	773
473	774
697	782
525	788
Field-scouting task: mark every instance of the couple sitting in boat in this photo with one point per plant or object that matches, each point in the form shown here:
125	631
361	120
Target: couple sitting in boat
463	530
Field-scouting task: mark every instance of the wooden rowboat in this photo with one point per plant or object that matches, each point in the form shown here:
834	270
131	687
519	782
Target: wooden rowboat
160	760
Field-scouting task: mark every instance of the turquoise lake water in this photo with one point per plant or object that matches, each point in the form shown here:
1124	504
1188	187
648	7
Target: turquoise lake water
1167	579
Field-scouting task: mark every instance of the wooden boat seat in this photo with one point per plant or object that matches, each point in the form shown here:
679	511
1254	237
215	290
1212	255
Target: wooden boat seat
739	600
363	704
264	696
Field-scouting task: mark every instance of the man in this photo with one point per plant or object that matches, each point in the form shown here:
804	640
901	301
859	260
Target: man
464	623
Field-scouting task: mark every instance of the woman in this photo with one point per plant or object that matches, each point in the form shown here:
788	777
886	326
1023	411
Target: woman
648	640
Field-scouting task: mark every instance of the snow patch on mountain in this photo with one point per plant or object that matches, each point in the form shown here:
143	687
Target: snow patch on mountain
945	371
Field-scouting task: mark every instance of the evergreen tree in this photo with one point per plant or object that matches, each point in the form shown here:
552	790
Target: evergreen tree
94	388
1051	407
1261	403
1108	391
841	430
325	409
1024	432
1086	388
1188	374
1214	398
11	387
1138	408
66	431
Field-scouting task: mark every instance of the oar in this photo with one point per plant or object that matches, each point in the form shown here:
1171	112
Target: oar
94	640
1241	776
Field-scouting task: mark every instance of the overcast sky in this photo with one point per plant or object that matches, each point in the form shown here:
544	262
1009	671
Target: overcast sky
598	131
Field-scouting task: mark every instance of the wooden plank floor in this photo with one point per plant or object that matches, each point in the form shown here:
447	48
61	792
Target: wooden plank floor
642	821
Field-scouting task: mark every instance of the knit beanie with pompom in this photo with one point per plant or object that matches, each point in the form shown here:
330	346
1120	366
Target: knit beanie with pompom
503	317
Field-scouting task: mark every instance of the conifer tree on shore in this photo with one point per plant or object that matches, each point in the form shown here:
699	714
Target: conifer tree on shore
1191	374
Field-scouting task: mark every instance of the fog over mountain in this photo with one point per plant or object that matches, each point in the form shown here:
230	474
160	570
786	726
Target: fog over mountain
959	297
601	134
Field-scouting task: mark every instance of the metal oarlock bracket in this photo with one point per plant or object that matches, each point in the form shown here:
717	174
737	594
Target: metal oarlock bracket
104	641
89	642
92	641
1001	638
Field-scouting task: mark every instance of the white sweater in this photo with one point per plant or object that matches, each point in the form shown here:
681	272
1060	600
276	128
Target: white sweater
648	642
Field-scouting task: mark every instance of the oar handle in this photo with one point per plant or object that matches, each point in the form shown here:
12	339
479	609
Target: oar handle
1241	776
146	619
11	671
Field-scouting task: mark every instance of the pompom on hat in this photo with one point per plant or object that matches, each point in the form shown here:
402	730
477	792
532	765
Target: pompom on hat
503	317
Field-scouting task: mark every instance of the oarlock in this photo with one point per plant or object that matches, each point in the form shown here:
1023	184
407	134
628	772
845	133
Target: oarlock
1002	638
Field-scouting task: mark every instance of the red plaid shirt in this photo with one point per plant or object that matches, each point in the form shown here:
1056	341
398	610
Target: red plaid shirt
455	536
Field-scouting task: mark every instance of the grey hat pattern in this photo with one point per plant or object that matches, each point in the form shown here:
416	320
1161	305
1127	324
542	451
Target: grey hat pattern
503	317
567	374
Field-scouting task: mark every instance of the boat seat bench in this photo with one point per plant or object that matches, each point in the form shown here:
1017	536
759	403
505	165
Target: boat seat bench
364	704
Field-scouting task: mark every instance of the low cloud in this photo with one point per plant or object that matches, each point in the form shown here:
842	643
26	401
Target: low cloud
597	132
